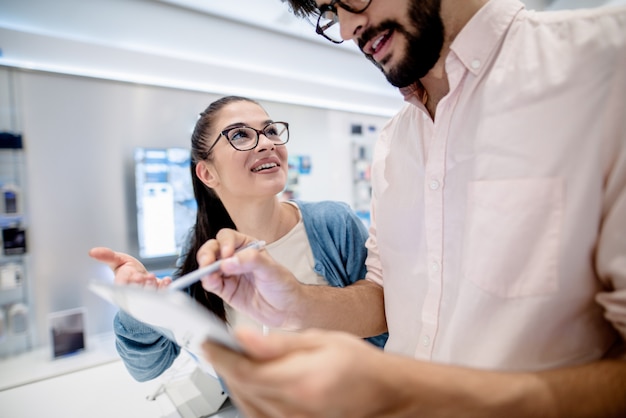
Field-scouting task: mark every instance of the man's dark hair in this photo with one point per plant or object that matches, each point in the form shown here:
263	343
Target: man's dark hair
302	8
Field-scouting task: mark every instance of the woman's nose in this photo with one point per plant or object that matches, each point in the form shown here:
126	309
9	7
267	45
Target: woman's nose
264	143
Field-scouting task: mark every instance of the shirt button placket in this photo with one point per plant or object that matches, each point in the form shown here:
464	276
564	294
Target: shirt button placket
430	319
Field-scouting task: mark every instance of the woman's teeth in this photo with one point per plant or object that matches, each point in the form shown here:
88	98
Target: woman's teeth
264	166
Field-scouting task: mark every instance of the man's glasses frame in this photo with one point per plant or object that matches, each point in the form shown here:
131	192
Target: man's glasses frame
328	17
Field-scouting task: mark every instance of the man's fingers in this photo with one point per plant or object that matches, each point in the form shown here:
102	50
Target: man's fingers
247	261
259	347
267	347
225	361
223	246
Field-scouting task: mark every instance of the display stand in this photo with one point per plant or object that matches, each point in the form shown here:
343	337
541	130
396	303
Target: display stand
16	330
362	149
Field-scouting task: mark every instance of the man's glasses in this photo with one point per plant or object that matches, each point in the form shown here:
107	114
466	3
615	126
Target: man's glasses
328	21
245	138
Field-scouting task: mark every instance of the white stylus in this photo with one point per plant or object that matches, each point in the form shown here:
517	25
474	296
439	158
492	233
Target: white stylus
190	278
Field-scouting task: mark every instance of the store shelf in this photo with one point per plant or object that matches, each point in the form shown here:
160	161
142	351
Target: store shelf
16	311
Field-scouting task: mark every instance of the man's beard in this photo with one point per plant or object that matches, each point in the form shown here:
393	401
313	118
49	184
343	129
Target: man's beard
424	43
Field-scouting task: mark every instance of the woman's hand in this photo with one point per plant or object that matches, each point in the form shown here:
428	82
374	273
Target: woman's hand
127	269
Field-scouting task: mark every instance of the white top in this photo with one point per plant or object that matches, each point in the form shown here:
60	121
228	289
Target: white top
294	252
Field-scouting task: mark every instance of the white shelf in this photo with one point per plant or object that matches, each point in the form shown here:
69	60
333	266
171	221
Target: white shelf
38	364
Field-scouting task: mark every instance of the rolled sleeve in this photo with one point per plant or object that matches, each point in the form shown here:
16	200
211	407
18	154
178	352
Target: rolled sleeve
146	353
611	252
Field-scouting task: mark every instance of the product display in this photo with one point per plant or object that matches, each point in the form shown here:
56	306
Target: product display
67	331
3	326
10	275
16	324
13	241
18	319
10	200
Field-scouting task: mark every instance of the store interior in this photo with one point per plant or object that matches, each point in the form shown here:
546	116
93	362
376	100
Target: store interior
84	85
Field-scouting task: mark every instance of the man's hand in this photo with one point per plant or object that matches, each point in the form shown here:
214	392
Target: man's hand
251	281
310	374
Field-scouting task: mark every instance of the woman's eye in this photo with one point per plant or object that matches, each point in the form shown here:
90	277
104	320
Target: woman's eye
240	135
271	132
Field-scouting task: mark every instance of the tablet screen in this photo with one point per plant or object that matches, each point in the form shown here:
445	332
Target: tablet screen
173	313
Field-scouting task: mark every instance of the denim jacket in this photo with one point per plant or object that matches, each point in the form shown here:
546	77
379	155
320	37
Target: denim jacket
337	238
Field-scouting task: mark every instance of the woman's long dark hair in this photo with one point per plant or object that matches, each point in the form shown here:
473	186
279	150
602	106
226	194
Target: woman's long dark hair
212	215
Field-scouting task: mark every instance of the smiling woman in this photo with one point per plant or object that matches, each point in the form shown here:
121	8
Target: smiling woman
239	164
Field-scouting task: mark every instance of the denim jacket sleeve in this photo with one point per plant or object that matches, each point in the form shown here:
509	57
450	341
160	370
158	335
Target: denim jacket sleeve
337	238
146	353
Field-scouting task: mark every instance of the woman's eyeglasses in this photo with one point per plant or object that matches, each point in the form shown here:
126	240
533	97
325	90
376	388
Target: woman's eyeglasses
245	138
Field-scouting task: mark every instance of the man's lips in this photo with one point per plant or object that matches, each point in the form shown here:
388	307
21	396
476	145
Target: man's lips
376	47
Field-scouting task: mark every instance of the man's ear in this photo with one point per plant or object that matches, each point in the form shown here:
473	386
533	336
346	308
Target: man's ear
206	174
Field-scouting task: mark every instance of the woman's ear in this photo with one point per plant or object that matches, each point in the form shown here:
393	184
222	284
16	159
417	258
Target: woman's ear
206	174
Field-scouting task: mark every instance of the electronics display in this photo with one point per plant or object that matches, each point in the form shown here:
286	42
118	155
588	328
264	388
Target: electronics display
166	208
16	316
67	331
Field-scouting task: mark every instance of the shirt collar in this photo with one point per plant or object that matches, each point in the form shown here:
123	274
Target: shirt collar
484	32
475	43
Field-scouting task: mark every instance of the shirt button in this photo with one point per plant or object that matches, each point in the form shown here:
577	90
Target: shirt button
434	266
475	64
434	185
426	341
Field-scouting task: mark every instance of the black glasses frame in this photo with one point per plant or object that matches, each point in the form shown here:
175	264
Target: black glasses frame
333	9
225	132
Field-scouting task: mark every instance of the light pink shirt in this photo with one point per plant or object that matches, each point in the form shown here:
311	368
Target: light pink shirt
495	226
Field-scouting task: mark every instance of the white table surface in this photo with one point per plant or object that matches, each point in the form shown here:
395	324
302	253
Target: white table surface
92	384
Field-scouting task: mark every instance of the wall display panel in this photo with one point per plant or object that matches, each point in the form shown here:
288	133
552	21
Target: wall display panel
165	204
363	138
15	302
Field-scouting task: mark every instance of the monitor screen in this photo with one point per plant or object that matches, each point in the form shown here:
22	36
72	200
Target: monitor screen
166	208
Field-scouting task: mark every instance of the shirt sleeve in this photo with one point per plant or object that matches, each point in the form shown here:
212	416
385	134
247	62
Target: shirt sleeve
354	253
359	235
611	251
374	266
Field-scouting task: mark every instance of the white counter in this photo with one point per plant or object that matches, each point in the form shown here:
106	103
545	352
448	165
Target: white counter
93	384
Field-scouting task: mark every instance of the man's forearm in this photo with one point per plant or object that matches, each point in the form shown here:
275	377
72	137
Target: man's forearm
594	390
357	309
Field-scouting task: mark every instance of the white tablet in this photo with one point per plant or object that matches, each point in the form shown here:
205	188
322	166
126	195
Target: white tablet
173	313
